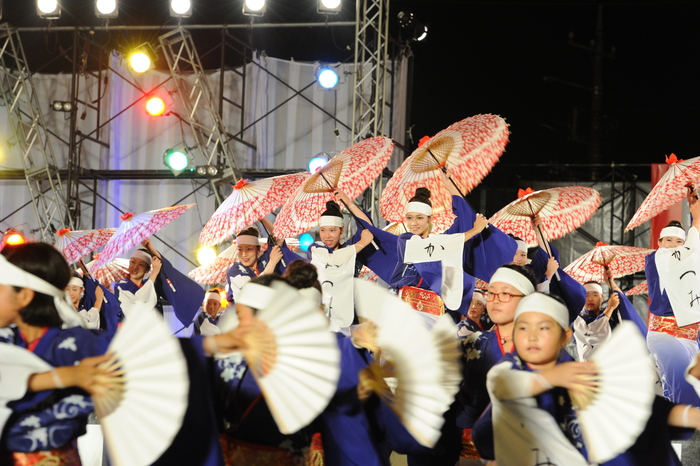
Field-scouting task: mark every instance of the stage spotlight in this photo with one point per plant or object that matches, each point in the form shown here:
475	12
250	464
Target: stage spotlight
180	8
411	28
318	161
254	7
155	106
177	160
305	241
206	170
48	9
206	255
421	33
12	237
106	8
329	7
61	106
327	77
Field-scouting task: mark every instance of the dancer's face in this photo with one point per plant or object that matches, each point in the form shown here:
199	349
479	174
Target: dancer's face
418	223
670	242
74	292
538	338
248	254
501	311
138	268
330	235
520	257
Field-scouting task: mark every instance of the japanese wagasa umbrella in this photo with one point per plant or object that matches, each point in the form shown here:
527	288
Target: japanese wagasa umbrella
145	405
674	186
620	260
135	229
351	171
638	289
613	413
215	273
561	210
79	243
467	150
249	202
113	271
427	376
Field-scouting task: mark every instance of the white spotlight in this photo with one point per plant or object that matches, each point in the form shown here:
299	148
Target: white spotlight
106	8
48	9
180	8
327	78
329	7
254	7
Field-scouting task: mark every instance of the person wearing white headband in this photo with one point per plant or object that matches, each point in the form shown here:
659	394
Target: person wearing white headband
33	315
522	386
477	319
482	350
205	321
251	263
75	291
671	273
337	263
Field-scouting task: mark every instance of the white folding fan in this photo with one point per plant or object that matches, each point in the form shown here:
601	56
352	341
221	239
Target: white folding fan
294	359
444	336
420	399
145	407
16	365
614	413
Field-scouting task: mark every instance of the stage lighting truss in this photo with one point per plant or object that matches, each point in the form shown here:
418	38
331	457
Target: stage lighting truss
106	8
48	9
62	106
329	7
329	76
254	7
180	8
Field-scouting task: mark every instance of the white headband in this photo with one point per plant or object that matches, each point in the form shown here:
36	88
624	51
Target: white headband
593	287
143	256
255	295
420	207
77	281
672	231
513	278
540	302
247	240
479	296
12	275
330	221
212	295
522	245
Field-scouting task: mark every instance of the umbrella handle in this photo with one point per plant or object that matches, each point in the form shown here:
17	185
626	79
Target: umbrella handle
84	268
271	240
376	247
606	268
547	249
443	168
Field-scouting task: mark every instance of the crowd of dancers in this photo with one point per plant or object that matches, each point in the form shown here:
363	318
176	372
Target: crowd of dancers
521	370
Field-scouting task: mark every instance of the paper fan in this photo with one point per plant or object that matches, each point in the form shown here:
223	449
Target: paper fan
136	228
444	336
294	359
614	413
113	271
249	202
143	411
77	244
420	398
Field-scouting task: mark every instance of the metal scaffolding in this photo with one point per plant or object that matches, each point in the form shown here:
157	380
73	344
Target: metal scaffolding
27	121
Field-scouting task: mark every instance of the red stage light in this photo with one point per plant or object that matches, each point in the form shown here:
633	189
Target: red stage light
155	106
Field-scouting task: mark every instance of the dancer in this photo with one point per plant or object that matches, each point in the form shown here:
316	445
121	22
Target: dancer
205	321
75	291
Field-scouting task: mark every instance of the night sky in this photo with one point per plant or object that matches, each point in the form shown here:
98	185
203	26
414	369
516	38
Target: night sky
489	57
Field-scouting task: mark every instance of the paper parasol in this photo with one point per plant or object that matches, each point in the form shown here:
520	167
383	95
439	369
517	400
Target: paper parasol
249	202
352	171
620	260
670	189
614	413
113	271
421	396
136	228
143	412
79	243
215	273
294	359
468	149
642	288
562	210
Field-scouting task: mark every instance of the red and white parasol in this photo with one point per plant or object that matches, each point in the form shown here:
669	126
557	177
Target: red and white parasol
561	210
135	229
249	202
620	260
79	243
671	188
468	149
215	273
113	271
351	171
642	288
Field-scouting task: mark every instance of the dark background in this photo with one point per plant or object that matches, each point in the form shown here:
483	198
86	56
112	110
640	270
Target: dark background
479	57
